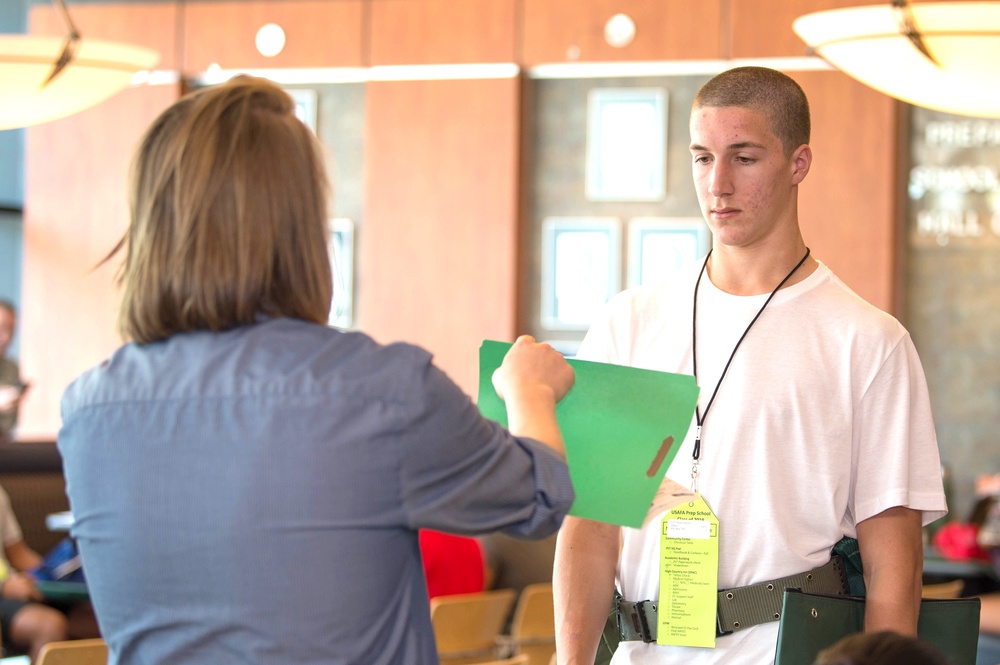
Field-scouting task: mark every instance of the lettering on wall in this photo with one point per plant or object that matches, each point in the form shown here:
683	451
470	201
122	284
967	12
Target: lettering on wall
954	182
952	287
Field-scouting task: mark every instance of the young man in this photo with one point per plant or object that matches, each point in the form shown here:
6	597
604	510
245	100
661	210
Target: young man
24	622
813	416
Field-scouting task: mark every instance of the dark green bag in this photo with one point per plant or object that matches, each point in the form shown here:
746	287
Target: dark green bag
812	622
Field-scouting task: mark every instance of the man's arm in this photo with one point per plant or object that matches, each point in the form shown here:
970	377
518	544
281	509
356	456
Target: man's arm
583	585
893	559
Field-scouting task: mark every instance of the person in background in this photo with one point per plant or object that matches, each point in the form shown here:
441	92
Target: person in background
11	387
24	621
813	421
881	648
247	483
452	564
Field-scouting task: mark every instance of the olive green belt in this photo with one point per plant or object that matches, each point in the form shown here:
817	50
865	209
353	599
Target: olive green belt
740	607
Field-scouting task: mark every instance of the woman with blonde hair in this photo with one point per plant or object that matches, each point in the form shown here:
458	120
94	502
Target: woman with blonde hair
247	483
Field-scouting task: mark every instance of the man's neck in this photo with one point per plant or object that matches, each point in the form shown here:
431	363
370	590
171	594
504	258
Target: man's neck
744	272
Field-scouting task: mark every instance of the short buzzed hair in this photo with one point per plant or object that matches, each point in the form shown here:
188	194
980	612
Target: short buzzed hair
766	91
9	306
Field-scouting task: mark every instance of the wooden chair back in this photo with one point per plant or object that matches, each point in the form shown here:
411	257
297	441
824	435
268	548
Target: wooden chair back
513	660
74	652
950	589
533	628
467	626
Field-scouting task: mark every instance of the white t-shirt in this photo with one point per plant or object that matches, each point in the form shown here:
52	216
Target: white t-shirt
822	420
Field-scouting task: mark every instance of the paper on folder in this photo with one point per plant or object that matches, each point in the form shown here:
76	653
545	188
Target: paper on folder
622	427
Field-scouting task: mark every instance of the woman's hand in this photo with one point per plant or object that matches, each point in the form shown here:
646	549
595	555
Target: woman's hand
529	367
530	380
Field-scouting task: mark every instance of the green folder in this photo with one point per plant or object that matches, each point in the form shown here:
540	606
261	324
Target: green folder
622	427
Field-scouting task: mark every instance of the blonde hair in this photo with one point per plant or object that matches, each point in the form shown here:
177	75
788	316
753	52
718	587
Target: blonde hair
228	216
766	91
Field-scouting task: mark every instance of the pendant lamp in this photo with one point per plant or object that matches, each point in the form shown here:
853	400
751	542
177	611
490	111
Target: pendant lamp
940	55
45	78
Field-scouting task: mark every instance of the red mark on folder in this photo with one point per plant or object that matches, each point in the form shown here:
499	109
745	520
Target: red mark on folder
660	455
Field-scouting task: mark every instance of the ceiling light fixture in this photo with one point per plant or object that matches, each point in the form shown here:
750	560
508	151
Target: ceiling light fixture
45	78
270	40
939	55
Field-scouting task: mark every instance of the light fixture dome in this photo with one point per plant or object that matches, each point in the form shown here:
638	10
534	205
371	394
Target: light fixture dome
98	70
880	45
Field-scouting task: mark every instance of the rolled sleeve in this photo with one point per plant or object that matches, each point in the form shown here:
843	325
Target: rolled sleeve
465	474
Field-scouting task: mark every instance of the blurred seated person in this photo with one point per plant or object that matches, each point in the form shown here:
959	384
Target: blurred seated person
247	482
11	387
25	623
452	564
989	613
880	648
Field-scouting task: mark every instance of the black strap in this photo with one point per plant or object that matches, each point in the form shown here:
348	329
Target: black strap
699	416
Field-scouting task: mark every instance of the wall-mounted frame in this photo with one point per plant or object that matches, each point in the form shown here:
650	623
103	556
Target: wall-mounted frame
305	106
341	249
581	269
626	144
661	248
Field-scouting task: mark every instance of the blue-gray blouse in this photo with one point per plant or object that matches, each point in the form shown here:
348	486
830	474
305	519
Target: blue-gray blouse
253	496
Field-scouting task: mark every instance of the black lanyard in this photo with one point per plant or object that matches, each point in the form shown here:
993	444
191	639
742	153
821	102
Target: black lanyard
700	419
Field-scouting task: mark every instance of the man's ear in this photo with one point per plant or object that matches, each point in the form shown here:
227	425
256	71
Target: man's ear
801	161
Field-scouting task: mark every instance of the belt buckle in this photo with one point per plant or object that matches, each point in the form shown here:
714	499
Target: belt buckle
638	618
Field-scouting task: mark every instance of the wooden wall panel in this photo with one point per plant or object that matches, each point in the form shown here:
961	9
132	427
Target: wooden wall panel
437	249
847	204
319	33
558	30
430	32
76	209
758	33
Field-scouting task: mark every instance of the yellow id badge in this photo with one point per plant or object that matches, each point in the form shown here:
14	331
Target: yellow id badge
689	575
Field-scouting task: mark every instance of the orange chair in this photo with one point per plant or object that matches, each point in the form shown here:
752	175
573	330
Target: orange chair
951	589
533	628
467	626
513	660
74	652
